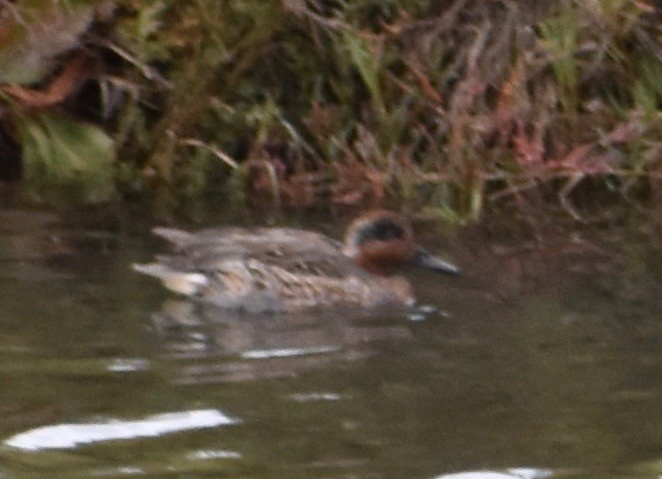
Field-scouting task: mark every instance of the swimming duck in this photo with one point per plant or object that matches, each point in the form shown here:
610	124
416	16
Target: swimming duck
285	269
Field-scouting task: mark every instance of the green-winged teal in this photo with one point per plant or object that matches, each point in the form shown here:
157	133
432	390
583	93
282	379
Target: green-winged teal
286	269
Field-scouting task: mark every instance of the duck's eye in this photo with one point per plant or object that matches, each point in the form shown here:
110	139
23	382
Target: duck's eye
380	230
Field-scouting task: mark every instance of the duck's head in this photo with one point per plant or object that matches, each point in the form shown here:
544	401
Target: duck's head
380	241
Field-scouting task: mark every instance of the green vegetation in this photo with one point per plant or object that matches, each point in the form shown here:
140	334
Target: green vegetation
445	104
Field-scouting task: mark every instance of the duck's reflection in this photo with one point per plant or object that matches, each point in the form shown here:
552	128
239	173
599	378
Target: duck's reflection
211	344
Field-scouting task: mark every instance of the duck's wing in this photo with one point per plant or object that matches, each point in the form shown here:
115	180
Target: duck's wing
297	251
262	269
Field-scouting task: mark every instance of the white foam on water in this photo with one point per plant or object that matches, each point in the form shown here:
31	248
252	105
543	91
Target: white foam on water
287	352
512	473
69	436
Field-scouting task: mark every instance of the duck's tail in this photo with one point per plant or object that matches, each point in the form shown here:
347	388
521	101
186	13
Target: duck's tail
182	282
176	236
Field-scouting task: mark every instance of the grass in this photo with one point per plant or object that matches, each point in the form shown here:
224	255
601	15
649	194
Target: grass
447	106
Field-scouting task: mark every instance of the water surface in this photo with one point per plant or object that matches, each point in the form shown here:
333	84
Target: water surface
543	360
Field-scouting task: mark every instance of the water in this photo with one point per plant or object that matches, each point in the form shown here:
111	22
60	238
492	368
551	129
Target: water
543	357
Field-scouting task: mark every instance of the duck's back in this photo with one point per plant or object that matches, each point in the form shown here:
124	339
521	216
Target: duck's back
269	269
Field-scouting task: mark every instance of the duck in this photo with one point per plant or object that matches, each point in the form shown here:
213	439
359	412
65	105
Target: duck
285	270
